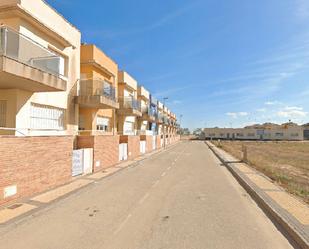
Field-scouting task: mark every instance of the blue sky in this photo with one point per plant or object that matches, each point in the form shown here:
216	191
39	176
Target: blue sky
221	62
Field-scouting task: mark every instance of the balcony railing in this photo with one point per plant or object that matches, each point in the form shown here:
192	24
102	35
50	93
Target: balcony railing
160	117
96	87
150	111
130	103
153	101
19	47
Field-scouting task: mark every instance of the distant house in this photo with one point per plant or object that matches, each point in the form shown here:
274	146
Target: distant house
267	131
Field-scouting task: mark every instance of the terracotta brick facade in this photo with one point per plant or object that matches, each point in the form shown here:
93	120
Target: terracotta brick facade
105	150
133	147
158	142
34	164
149	144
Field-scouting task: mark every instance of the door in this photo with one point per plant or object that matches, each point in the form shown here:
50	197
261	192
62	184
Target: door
143	147
154	142
123	152
87	161
77	162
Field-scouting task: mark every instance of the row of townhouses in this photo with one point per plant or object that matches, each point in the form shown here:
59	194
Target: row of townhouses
268	131
66	108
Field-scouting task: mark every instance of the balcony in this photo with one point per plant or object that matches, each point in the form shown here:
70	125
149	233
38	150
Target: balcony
25	64
129	107
159	118
96	93
149	113
165	120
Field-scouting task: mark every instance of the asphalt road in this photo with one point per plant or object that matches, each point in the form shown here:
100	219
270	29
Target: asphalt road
179	199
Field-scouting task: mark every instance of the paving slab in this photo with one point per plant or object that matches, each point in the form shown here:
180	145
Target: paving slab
61	191
14	211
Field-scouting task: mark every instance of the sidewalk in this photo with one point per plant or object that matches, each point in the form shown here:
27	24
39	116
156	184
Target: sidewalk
291	214
14	212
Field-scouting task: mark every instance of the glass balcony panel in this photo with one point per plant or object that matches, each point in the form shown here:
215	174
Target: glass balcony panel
23	49
92	87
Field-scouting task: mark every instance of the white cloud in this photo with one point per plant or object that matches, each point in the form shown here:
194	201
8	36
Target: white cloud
237	114
261	110
302	10
272	103
232	114
292	112
293	108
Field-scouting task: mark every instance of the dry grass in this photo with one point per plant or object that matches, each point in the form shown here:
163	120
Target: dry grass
287	163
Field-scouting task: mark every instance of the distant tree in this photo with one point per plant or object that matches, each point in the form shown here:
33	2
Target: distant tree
184	131
198	131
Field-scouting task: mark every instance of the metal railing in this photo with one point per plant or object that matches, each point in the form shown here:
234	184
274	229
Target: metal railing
130	103
160	117
150	111
97	87
165	119
153	101
21	48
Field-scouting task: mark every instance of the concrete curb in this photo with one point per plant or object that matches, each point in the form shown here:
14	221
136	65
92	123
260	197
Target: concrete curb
288	225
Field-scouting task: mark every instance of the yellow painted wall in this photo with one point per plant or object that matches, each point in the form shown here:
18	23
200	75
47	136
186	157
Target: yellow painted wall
46	27
89	54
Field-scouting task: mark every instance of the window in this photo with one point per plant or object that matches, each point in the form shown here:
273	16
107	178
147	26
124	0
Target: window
251	134
294	135
279	134
222	135
128	128
3	113
46	117
240	134
102	123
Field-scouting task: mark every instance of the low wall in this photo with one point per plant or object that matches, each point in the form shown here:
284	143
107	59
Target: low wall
105	150
34	164
149	144
133	147
158	141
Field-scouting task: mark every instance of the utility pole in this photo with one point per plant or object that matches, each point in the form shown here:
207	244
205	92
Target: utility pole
164	138
180	118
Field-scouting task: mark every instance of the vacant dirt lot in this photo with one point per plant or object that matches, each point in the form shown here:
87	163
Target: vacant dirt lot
287	163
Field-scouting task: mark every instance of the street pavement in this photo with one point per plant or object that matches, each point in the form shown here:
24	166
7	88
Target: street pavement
181	198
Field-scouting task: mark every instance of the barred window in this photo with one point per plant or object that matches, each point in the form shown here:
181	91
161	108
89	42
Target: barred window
46	117
3	113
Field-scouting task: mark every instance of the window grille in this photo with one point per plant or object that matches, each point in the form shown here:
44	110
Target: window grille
46	117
